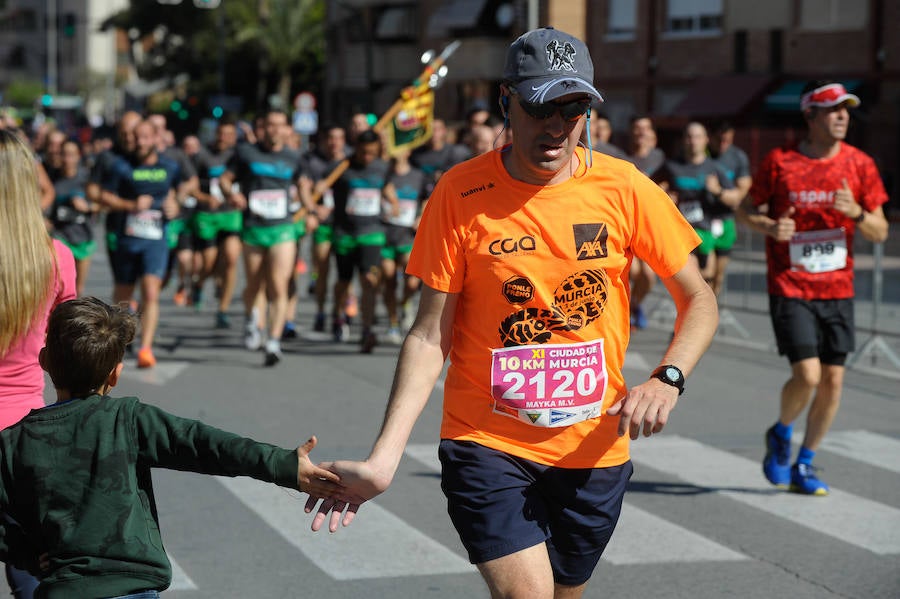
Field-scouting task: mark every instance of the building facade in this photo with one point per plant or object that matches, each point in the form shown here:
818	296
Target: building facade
673	59
59	44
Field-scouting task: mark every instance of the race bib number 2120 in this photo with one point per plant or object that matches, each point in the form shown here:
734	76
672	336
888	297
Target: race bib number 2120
549	385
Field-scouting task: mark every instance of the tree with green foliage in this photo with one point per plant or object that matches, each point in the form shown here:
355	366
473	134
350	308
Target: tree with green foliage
288	33
276	43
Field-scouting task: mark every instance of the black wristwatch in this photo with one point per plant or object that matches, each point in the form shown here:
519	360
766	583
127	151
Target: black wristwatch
670	375
861	217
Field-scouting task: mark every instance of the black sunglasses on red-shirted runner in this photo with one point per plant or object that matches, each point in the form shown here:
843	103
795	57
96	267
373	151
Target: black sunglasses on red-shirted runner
569	111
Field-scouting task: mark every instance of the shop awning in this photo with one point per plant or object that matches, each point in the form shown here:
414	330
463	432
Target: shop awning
786	98
722	96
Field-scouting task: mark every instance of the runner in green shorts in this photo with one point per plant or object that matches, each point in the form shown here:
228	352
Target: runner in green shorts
409	186
317	165
265	174
71	212
217	228
359	233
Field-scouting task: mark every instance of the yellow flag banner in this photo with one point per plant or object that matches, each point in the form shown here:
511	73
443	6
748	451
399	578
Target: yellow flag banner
412	125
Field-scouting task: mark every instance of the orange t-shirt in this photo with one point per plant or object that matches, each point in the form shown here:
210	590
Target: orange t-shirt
542	319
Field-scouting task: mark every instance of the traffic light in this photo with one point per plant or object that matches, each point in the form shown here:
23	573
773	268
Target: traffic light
217	112
46	100
68	24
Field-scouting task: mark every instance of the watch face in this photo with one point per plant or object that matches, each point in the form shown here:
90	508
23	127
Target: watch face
673	375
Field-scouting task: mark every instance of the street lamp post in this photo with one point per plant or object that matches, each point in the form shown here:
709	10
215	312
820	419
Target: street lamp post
52	51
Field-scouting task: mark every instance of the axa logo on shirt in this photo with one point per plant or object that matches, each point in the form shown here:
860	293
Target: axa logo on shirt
812	197
590	240
511	245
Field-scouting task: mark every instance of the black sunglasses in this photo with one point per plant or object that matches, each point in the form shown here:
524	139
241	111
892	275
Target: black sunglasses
569	111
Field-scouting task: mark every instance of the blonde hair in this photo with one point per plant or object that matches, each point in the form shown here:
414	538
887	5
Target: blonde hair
27	257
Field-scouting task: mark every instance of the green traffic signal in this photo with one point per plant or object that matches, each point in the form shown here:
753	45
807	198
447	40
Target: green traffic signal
68	26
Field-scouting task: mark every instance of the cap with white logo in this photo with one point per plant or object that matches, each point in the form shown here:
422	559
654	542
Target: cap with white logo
545	64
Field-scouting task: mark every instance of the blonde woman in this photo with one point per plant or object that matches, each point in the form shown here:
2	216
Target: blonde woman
36	273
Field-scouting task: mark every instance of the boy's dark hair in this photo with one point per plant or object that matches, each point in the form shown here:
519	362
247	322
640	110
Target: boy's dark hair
86	339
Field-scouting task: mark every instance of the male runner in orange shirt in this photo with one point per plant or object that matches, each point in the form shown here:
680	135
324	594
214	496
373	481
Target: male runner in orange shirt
525	253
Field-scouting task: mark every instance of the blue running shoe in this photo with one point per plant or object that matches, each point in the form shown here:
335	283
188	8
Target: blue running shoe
805	481
777	463
289	331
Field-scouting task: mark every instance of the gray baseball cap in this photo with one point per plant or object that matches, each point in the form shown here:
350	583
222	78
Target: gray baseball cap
545	64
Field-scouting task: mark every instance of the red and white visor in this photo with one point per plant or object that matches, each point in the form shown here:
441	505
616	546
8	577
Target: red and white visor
828	96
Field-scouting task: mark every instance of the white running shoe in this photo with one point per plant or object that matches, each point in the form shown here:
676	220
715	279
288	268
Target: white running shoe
252	336
394	337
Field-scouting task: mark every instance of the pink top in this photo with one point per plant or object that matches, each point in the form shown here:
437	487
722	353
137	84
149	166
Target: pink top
21	376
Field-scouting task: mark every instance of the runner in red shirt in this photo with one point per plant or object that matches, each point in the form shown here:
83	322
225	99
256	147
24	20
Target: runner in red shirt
524	253
810	201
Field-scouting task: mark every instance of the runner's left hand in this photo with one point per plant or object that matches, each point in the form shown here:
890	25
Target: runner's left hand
645	406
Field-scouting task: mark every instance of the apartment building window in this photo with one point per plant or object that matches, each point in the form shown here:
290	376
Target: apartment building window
397	23
693	17
621	19
833	15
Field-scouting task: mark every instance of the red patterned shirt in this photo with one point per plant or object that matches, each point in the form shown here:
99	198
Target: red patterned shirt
817	263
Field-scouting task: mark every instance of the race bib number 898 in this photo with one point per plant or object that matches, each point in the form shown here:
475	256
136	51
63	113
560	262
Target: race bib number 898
819	251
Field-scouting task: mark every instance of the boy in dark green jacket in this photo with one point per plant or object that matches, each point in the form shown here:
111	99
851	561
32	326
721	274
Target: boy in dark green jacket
75	476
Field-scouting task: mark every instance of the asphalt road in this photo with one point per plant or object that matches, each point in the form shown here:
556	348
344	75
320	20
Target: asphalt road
699	519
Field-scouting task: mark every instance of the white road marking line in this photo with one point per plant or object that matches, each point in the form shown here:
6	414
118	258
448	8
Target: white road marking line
180	580
162	373
643	538
849	518
862	446
377	544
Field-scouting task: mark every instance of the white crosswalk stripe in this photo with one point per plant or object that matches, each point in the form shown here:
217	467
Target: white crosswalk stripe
644	538
162	373
740	479
862	446
180	580
641	536
358	551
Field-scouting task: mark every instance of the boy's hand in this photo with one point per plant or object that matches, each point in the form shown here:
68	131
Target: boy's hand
311	479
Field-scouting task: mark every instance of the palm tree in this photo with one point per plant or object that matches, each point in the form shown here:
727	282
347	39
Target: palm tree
285	32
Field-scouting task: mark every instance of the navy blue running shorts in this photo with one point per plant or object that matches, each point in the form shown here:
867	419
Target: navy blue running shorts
813	328
501	504
134	258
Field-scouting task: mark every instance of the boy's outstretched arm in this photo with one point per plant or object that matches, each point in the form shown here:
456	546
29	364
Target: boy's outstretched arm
168	441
